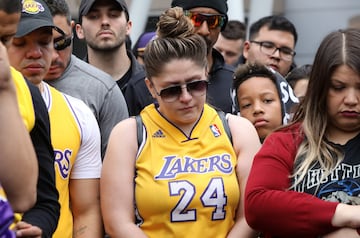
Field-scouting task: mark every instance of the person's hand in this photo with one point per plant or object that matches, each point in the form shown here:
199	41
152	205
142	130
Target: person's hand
343	232
346	216
24	229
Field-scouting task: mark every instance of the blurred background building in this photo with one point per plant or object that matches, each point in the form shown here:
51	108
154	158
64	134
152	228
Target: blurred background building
313	19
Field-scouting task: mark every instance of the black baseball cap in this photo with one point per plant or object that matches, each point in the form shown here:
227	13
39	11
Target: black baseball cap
34	14
219	5
86	5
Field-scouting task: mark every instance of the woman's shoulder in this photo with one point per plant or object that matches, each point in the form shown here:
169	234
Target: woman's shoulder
290	136
125	126
293	130
239	122
243	132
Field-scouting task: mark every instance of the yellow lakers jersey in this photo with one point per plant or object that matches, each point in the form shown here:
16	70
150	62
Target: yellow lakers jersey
26	109
24	99
65	136
186	186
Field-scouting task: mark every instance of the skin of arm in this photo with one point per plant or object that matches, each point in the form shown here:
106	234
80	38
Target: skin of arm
17	152
84	184
117	182
343	232
246	144
84	195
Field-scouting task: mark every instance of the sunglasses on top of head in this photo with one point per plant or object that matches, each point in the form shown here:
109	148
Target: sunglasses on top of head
172	93
213	20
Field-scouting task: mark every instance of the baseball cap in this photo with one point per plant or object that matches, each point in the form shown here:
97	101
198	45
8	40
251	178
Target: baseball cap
35	14
219	5
144	39
86	5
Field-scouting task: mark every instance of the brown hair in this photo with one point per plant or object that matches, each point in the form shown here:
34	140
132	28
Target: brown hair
176	39
337	48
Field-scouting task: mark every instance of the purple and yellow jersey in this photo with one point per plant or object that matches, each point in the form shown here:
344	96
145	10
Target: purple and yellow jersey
26	109
24	99
63	122
186	186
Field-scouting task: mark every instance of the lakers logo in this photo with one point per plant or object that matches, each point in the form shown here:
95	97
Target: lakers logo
32	7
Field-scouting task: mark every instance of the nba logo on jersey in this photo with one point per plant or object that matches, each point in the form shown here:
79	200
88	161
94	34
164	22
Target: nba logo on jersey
215	130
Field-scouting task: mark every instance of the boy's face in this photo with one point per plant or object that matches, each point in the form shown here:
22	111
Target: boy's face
8	26
260	103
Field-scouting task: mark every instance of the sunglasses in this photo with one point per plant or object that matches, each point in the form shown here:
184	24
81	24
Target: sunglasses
171	94
213	20
62	42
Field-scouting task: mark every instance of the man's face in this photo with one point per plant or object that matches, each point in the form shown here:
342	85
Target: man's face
60	58
105	27
209	34
231	49
8	27
31	54
253	51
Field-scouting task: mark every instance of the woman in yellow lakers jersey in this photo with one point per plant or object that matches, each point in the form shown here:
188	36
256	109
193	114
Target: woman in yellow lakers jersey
189	177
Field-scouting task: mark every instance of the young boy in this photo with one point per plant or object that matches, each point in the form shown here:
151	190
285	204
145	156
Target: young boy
259	98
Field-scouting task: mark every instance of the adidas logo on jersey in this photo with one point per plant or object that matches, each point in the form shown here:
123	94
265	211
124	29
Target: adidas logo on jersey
158	134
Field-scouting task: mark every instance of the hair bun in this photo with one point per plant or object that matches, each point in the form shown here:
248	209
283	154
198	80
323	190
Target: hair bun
174	24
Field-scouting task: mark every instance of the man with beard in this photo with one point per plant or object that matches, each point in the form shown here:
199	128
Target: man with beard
210	17
104	26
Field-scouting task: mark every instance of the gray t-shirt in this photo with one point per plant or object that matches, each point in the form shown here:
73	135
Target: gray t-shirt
98	90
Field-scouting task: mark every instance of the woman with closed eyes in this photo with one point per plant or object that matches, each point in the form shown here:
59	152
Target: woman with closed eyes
306	174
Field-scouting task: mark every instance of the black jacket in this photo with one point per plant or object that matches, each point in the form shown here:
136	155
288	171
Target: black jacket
135	91
220	83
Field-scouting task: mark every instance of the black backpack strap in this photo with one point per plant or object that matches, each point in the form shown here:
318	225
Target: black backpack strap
139	128
224	120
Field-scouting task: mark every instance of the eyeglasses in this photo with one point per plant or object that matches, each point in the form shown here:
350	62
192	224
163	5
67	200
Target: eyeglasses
62	42
171	94
213	20
269	48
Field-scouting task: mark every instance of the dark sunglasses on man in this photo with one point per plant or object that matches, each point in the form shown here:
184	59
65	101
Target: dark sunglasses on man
213	20
62	42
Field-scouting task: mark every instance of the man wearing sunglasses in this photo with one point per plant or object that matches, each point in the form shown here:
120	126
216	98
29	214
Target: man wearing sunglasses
105	25
210	17
79	79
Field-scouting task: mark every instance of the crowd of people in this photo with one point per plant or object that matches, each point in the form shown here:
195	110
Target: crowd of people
200	130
